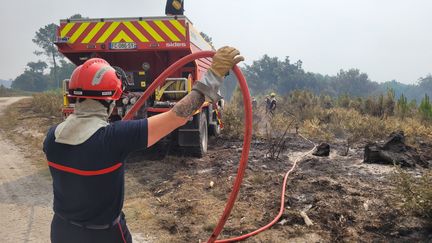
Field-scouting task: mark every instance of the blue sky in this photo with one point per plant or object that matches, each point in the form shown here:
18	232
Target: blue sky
388	39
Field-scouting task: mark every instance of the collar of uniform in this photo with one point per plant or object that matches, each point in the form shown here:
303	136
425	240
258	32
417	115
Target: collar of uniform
88	117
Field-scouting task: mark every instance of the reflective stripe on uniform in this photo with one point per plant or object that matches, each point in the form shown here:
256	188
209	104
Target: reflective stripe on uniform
85	172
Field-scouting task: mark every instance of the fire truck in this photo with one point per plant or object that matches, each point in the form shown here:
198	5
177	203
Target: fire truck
144	47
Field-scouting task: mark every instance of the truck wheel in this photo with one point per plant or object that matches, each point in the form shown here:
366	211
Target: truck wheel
203	137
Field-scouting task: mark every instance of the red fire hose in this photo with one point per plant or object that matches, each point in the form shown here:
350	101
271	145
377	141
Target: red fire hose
248	128
246	141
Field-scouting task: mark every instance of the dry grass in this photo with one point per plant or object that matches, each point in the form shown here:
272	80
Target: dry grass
27	128
313	129
351	125
233	121
5	92
48	103
415	192
324	118
327	125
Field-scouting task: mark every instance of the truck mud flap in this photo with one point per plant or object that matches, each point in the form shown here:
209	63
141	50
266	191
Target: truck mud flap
188	137
189	134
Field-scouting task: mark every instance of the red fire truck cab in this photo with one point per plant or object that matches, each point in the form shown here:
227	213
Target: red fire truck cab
144	47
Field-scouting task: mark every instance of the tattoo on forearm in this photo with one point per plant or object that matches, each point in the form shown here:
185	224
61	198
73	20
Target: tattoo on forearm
189	104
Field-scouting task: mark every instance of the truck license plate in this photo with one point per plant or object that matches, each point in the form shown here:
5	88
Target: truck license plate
123	45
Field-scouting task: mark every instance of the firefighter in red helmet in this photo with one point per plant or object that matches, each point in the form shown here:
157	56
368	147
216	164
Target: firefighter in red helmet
86	154
86	81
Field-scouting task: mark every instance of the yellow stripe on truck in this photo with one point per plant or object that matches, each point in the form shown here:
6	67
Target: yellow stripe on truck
178	26
166	30
135	31
122	36
66	29
151	31
93	32
108	32
78	32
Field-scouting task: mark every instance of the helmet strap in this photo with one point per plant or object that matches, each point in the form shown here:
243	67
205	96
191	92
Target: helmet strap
121	74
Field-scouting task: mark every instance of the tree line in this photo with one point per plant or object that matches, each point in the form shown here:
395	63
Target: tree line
48	73
270	74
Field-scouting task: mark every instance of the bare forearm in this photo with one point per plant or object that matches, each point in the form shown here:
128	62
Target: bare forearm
161	125
189	104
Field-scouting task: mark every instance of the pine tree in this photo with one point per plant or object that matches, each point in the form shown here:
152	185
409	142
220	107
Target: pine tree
402	107
425	109
389	103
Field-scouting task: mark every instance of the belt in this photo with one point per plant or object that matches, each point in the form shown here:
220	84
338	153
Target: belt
92	226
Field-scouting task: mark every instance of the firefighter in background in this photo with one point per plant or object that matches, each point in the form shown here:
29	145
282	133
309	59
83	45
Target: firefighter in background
254	103
174	7
270	103
86	154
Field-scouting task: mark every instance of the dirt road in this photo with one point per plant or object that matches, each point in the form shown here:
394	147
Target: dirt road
25	193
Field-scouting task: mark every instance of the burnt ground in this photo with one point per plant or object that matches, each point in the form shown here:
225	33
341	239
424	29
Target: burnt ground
169	197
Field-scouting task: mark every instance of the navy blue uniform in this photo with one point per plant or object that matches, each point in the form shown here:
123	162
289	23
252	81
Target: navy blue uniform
88	181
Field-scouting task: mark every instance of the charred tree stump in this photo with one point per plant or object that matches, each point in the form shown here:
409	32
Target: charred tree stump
394	151
322	150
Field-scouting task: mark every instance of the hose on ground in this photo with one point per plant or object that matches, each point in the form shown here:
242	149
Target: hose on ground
246	143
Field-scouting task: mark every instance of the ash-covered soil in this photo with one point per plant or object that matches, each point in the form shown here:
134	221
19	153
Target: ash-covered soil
180	199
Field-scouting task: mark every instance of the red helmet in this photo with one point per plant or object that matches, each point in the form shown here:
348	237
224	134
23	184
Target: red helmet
95	79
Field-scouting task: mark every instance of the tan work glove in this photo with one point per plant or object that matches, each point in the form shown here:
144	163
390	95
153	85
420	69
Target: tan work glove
224	60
